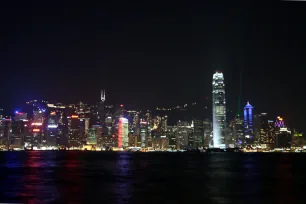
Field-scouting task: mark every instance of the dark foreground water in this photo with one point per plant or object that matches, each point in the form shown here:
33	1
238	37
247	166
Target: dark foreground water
99	177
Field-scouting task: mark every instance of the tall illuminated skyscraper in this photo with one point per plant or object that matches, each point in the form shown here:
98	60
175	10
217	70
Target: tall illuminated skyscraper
248	123
123	131
219	109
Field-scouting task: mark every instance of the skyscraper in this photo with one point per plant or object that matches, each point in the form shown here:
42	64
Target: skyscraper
207	125
143	132
219	109
171	136
17	133
101	109
283	138
182	133
92	137
271	133
261	129
248	123
123	131
239	132
101	141
198	133
74	131
52	124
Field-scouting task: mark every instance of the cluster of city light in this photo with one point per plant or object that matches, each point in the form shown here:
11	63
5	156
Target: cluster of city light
52	126
176	107
120	139
36	124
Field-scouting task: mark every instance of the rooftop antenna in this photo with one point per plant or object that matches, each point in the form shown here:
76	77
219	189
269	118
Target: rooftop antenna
102	95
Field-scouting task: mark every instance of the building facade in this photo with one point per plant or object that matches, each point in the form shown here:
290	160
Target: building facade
248	124
198	133
219	110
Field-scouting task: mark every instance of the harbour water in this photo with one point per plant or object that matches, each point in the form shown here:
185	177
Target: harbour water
124	177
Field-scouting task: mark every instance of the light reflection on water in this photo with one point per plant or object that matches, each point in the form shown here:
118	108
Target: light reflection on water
27	177
86	177
123	185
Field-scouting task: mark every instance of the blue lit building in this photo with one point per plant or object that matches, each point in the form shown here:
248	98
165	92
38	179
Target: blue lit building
248	123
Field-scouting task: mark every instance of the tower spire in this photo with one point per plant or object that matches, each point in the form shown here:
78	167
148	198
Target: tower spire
102	95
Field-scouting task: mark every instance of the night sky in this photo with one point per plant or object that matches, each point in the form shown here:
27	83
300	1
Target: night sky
155	53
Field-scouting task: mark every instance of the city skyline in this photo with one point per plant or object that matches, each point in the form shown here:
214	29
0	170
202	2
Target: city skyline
82	126
156	57
230	113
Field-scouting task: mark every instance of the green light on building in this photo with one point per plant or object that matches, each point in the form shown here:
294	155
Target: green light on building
92	139
298	135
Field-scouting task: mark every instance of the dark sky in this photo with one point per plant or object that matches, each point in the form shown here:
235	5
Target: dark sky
155	53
